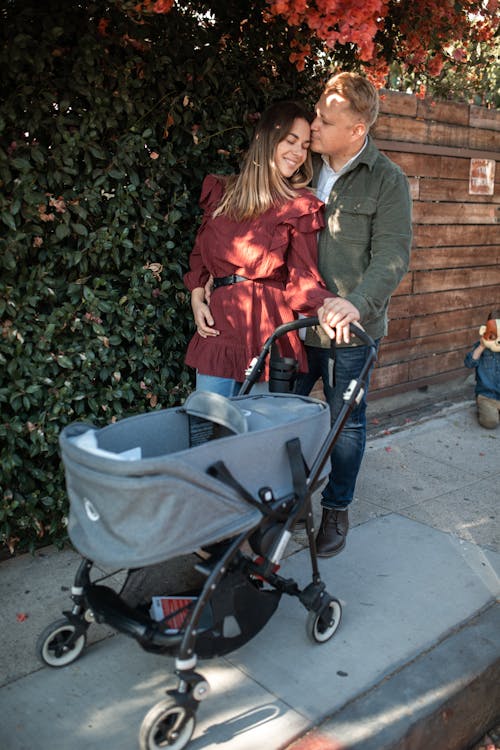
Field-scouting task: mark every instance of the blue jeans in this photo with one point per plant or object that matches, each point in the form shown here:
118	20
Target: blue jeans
214	384
349	448
225	386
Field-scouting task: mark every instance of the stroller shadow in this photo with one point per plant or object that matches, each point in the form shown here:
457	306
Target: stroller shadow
228	729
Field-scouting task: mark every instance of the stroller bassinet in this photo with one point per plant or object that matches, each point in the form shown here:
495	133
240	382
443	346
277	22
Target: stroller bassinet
136	512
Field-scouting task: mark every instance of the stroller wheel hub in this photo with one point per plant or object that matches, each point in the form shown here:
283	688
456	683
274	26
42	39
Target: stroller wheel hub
201	690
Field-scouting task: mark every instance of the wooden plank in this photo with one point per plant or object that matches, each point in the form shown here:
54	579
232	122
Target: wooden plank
456	299
414	183
434	149
454	168
488	140
424	259
447	135
398	103
400	306
430	165
455	213
384	377
429	366
408	105
456	113
443	323
400	129
451	376
481	117
407	351
419	165
456	235
398	330
451	190
455	278
405	285
396	128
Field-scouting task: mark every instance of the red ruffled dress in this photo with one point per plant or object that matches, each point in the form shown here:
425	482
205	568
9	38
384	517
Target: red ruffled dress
277	252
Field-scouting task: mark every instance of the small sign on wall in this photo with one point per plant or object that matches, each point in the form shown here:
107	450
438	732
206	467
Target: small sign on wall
482	177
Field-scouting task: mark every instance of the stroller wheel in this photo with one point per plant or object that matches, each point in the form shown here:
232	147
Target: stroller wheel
166	725
55	647
321	626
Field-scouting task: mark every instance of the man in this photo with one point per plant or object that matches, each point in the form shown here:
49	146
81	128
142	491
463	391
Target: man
363	254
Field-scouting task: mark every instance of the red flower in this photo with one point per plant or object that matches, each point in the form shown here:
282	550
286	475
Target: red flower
102	26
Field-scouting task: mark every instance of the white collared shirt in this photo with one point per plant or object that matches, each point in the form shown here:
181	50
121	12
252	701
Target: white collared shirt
328	176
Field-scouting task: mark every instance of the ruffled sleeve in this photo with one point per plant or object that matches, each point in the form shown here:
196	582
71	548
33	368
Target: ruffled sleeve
302	219
305	212
211	193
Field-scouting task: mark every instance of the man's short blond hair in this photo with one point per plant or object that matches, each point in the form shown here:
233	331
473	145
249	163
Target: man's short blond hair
360	93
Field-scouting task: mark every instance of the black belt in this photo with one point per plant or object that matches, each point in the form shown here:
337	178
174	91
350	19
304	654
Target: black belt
228	280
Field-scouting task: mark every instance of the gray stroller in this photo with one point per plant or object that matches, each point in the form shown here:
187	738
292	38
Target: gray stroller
225	481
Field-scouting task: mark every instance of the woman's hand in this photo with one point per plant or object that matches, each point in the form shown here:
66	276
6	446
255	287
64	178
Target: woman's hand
209	287
202	315
335	315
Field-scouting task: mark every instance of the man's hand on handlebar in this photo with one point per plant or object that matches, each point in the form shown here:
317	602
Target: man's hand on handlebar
335	315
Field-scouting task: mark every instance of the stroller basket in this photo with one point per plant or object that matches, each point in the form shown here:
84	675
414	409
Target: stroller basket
139	488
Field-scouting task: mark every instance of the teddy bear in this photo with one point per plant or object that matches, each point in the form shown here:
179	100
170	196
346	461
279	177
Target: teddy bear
485	359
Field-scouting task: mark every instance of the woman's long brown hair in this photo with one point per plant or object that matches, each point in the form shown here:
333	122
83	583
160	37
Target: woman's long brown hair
260	185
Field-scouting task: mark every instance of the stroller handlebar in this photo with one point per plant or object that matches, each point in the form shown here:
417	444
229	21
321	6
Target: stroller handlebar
257	366
295	325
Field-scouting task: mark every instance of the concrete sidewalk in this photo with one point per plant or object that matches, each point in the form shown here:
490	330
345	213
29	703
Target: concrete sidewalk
414	665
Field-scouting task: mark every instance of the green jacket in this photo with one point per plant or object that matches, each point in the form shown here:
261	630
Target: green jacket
364	249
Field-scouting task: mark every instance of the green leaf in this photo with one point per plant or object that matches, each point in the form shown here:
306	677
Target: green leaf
174	216
38	156
8	260
62	231
98	153
22	164
64	361
9	220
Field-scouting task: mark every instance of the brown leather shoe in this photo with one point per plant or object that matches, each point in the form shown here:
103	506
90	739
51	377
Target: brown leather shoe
332	532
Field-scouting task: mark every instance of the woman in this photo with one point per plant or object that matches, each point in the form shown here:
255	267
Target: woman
258	242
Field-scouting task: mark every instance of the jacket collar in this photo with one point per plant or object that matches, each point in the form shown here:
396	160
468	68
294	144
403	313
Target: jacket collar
368	156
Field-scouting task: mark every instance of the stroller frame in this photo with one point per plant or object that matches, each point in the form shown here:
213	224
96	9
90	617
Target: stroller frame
171	722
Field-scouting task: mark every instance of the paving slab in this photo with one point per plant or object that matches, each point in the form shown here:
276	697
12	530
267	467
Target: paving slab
471	512
454	440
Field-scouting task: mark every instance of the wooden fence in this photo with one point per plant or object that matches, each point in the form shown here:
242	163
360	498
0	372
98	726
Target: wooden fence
448	151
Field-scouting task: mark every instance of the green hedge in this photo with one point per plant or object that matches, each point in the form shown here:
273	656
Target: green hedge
106	132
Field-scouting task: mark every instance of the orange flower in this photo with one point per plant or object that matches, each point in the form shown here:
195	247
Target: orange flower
162	6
